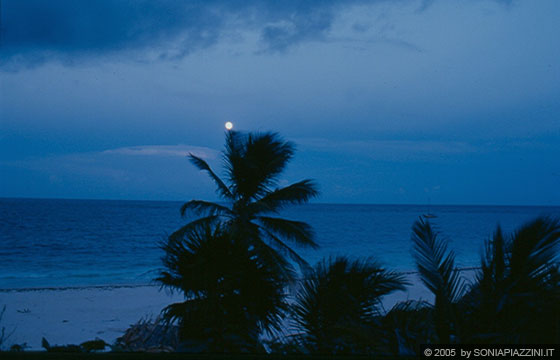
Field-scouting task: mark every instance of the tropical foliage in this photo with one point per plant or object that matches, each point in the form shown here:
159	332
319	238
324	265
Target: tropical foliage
408	325
436	267
515	296
338	307
232	261
253	164
230	296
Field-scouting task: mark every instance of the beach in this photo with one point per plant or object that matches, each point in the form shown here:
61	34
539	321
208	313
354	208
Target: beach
73	315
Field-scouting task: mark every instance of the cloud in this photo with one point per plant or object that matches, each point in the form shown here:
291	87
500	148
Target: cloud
113	163
299	27
165	150
138	172
36	31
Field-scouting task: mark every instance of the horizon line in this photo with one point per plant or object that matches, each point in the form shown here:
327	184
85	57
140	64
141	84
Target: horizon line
309	203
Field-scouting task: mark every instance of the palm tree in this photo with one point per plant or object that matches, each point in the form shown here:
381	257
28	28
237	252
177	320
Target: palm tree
253	163
408	325
516	296
231	297
437	271
338	307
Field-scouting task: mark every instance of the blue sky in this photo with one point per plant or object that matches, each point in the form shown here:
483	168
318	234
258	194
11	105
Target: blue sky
403	101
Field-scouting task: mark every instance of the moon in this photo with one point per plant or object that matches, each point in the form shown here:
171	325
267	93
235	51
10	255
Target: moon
229	125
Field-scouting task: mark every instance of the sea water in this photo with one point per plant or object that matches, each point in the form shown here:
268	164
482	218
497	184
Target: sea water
59	243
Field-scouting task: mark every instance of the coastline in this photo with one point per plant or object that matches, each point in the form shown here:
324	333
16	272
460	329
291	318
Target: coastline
72	315
76	287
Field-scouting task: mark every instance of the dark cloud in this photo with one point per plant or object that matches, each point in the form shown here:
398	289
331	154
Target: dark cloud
33	31
301	27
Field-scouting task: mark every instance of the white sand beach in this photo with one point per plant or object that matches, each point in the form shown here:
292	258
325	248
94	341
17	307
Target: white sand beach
74	315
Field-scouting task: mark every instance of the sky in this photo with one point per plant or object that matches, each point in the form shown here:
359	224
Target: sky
387	101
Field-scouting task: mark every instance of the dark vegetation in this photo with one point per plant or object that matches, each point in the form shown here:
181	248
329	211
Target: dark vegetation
235	265
3	334
86	346
234	261
338	308
232	296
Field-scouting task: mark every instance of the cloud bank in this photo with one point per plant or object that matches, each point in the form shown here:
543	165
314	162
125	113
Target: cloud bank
165	150
36	31
126	172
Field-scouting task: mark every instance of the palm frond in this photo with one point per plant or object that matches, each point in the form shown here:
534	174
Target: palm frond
498	263
337	305
386	282
298	193
175	311
535	248
285	249
185	256
206	208
493	263
409	324
297	231
202	165
228	288
437	271
273	260
270	153
517	292
435	264
363	277
194	226
253	162
234	163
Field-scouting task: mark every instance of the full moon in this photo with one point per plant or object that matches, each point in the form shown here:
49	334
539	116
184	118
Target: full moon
229	125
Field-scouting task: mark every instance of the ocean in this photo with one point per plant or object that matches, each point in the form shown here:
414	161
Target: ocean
62	243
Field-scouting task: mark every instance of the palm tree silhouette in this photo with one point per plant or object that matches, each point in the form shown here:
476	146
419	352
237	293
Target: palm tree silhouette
253	163
516	296
231	297
436	267
338	307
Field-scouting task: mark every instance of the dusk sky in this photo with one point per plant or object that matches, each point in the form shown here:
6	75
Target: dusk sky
402	101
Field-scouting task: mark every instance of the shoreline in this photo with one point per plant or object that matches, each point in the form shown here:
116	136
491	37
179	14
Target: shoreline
72	315
78	287
407	273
